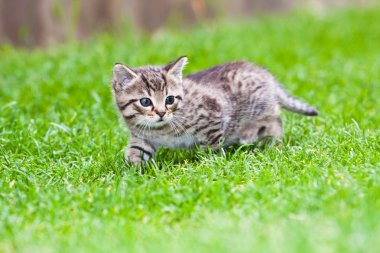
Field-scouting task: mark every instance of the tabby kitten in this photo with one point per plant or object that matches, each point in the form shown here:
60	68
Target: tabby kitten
230	103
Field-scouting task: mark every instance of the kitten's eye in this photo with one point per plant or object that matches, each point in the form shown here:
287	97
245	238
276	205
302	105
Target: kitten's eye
169	100
145	102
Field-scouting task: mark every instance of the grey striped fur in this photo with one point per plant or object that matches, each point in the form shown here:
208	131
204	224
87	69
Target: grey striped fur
231	103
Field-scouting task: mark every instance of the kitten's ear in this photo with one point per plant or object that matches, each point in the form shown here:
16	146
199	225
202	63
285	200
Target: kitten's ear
175	68
123	75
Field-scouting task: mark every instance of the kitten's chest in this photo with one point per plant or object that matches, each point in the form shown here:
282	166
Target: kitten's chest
172	141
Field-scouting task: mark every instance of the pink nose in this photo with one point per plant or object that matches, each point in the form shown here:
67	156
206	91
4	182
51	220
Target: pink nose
161	114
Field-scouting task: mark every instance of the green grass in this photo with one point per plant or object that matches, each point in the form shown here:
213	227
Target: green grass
64	186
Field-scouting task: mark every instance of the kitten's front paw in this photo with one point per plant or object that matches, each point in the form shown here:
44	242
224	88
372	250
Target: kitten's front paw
138	151
133	158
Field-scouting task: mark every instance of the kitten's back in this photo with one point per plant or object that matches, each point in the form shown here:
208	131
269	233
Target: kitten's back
232	77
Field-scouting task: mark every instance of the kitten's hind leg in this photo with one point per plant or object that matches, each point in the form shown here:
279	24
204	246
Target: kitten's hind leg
270	129
267	130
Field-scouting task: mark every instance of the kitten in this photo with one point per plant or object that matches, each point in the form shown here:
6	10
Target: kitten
231	103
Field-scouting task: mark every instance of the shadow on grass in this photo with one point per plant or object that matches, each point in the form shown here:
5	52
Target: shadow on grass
167	159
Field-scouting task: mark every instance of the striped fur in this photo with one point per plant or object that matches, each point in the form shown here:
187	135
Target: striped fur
231	103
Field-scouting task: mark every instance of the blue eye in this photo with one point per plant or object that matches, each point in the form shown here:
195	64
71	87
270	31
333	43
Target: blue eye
145	102
169	100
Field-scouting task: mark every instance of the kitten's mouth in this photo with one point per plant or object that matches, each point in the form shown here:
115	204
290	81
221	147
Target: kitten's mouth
160	123
155	123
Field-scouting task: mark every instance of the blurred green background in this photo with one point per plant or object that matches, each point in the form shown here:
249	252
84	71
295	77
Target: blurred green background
43	23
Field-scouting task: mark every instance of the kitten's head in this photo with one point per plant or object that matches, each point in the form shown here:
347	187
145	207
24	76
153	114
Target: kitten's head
149	96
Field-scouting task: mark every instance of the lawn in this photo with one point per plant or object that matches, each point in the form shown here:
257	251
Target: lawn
64	186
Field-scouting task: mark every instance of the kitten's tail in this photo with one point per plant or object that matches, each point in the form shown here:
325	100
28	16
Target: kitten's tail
293	104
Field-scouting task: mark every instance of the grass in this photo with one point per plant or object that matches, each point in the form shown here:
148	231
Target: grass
64	186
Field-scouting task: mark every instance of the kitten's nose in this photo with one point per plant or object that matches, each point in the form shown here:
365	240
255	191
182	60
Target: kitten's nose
161	114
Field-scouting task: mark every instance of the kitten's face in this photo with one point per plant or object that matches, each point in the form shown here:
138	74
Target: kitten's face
148	97
156	97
